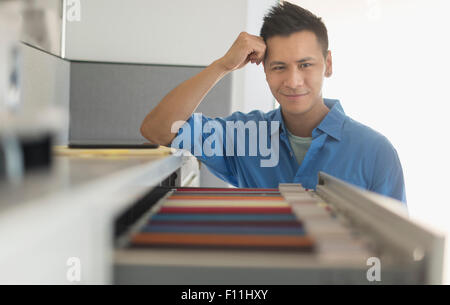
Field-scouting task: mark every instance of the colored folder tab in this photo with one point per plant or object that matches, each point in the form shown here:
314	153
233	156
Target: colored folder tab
224	240
219	189
225	217
225	210
267	230
230	194
225	203
256	223
214	197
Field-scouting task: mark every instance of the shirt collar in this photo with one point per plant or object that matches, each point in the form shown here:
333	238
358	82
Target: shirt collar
331	123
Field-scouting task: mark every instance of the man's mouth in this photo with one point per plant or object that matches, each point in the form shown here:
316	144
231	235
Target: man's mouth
295	96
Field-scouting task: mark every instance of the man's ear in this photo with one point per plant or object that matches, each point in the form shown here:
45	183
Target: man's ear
328	65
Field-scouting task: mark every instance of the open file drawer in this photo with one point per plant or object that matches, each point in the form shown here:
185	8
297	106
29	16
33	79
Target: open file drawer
359	237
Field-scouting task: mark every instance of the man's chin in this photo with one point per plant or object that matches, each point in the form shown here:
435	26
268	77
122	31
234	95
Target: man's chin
296	108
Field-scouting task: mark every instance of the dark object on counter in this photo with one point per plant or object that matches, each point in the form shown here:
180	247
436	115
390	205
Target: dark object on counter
36	153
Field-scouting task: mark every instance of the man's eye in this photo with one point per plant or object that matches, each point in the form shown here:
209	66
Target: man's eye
306	65
278	68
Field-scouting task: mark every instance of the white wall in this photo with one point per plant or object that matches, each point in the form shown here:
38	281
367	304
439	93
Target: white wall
391	73
176	32
257	92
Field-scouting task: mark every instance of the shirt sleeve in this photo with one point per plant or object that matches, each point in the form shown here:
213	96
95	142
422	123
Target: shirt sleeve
204	138
388	174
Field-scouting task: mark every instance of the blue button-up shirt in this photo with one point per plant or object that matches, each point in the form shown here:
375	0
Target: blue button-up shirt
340	147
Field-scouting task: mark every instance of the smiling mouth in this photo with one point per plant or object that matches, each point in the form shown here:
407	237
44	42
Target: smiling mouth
294	96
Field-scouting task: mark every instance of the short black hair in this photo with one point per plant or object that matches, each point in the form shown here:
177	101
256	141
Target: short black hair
286	18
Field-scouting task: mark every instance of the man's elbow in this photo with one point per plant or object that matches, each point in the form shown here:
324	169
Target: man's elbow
151	134
146	133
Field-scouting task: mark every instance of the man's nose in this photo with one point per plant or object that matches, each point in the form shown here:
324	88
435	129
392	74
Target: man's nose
294	79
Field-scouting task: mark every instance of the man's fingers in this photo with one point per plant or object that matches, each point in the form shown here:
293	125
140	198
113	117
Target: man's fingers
247	48
254	58
259	49
256	45
257	55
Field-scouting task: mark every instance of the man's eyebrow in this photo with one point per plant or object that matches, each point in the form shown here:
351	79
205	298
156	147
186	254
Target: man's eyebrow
273	63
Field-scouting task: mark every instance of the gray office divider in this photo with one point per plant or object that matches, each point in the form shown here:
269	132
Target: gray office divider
108	101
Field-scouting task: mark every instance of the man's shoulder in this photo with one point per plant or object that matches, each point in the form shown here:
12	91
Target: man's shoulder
357	132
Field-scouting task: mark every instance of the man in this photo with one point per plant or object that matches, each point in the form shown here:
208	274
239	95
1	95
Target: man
314	133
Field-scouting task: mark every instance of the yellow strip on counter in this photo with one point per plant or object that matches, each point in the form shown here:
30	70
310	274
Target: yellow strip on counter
82	152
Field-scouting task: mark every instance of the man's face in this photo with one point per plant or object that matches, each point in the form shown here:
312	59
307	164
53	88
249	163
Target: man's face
295	68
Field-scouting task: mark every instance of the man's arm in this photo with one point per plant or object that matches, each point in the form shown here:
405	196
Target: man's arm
181	102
